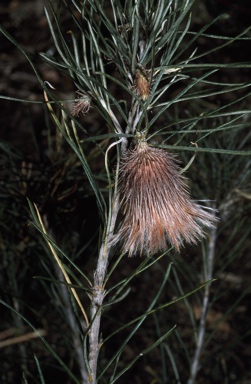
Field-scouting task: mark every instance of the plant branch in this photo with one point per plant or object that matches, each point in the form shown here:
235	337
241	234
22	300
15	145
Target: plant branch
195	366
98	293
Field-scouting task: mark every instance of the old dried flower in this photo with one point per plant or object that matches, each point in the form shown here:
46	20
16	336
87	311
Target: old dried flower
156	203
142	83
81	105
124	29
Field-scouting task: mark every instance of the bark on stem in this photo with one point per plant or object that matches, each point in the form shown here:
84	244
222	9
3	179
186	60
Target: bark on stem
98	295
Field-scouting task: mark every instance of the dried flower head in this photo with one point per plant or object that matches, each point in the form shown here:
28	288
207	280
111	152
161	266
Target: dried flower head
82	105
156	203
124	29
142	83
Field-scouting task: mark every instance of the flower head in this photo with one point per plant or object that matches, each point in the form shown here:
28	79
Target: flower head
81	105
142	83
156	203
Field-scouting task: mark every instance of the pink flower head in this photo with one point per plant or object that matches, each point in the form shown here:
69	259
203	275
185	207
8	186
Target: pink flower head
81	105
156	203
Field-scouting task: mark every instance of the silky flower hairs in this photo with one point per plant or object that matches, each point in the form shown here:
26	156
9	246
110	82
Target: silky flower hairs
156	203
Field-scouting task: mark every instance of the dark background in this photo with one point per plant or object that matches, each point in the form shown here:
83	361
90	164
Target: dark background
38	164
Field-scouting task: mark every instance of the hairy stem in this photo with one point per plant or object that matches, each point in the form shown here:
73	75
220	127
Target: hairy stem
98	294
195	366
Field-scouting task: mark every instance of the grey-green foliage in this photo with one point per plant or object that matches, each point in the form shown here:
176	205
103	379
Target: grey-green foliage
100	51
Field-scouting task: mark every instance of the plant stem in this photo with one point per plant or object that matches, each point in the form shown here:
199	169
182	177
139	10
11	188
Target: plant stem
195	366
99	293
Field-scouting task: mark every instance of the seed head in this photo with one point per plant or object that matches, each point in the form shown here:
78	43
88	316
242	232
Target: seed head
82	105
142	85
156	203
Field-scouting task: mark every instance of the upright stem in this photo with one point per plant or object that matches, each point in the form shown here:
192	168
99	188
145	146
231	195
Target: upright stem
195	366
98	294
